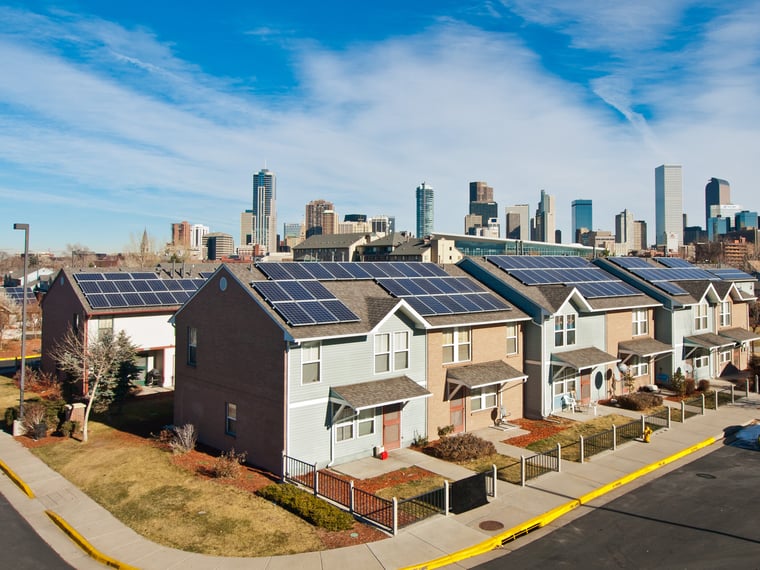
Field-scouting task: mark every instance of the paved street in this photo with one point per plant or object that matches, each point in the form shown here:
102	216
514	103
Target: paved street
702	515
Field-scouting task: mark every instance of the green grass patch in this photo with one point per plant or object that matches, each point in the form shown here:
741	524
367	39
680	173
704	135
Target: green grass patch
412	488
572	434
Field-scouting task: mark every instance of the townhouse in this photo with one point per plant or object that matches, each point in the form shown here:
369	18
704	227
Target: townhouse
703	314
327	362
138	302
588	328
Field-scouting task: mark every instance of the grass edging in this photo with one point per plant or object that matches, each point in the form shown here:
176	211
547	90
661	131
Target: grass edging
16	479
552	515
84	544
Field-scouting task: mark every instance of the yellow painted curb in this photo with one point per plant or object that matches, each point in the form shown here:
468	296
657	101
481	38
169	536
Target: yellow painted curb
552	515
85	545
17	480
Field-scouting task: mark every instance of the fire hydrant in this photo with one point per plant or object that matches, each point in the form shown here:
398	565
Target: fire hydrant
647	434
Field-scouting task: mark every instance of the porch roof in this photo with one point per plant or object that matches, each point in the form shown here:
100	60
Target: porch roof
739	335
708	341
643	347
583	358
484	374
365	395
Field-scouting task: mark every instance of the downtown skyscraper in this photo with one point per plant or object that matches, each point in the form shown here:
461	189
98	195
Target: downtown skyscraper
668	206
424	210
264	210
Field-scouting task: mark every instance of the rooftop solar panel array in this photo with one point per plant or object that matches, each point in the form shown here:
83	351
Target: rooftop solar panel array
730	274
16	294
591	281
305	302
336	270
120	290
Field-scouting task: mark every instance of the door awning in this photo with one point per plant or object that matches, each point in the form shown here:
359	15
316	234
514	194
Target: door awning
739	335
644	347
583	358
709	341
374	393
484	374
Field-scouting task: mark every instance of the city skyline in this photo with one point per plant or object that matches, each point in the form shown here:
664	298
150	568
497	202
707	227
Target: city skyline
122	117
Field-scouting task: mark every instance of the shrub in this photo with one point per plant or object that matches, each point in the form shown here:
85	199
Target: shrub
40	383
11	415
69	428
690	386
310	508
227	465
183	439
35	423
639	401
463	447
678	382
419	440
704	386
445	430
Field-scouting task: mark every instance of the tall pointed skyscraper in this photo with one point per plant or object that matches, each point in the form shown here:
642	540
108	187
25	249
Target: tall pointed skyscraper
264	210
424	210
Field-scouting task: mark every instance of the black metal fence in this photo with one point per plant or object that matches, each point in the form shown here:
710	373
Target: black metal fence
692	407
299	472
422	506
373	508
541	463
627	432
597	443
658	420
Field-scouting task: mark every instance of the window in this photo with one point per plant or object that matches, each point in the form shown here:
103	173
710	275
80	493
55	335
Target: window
512	347
192	346
700	316
395	345
483	398
348	422
230	426
640	322
105	324
310	362
564	330
701	361
725	314
456	345
725	356
638	367
75	323
565	382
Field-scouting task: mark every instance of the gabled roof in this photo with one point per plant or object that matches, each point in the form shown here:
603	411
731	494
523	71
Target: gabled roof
583	358
643	347
365	395
739	335
332	241
411	247
483	374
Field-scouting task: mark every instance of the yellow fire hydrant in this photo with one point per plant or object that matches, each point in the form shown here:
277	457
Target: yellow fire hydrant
647	434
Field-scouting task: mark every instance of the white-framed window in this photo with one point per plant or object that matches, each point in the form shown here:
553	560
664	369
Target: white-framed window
230	421
484	398
512	344
456	345
348	424
105	325
391	351
725	356
564	330
311	359
192	346
640	322
701	361
700	316
725	313
566	382
638	367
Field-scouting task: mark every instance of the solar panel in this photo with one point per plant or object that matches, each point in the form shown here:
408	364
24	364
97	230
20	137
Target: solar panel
395	287
671	288
510	262
317	311
428	269
435	306
166	297
108	286
271	291
149	298
90	287
133	299
117	300
157	285
98	301
171	285
337	308
318	271
655	274
489	302
124	286
630	262
336	270
274	271
673	262
450	302
606	289
181	296
148	275
114	276
730	274
79	277
293	313
357	270
317	290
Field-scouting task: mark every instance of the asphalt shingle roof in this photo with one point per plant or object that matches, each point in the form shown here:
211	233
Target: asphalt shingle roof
583	358
483	374
379	392
644	347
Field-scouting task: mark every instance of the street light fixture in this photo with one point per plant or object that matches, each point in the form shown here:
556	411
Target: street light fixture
24	227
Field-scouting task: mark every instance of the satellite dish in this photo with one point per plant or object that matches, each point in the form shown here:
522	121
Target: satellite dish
623	367
687	368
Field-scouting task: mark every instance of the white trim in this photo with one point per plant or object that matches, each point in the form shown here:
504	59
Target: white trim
308	403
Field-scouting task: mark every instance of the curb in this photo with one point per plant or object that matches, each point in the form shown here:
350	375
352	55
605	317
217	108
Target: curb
542	520
16	479
85	545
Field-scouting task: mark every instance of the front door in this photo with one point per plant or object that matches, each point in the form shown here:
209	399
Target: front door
456	411
392	427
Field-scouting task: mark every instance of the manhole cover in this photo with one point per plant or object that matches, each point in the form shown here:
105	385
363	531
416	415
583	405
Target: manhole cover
706	476
491	525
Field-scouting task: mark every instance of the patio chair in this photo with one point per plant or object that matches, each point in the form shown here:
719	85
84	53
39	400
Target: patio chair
569	401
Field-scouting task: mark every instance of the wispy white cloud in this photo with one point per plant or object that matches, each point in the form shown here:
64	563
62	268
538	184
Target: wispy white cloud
126	127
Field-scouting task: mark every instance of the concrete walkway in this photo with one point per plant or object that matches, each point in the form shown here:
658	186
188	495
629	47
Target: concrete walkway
434	542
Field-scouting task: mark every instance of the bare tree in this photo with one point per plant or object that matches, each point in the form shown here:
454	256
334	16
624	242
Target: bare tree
9	313
103	366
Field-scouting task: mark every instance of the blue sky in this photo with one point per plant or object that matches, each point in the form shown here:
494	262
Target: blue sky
117	117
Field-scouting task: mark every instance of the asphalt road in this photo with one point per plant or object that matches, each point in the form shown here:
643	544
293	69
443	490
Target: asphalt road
705	514
21	547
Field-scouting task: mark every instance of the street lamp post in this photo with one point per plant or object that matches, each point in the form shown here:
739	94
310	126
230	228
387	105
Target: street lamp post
24	227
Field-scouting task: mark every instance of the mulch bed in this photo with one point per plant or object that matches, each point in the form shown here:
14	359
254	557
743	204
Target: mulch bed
539	429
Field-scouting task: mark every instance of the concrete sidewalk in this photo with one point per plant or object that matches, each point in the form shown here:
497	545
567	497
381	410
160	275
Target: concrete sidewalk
434	542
